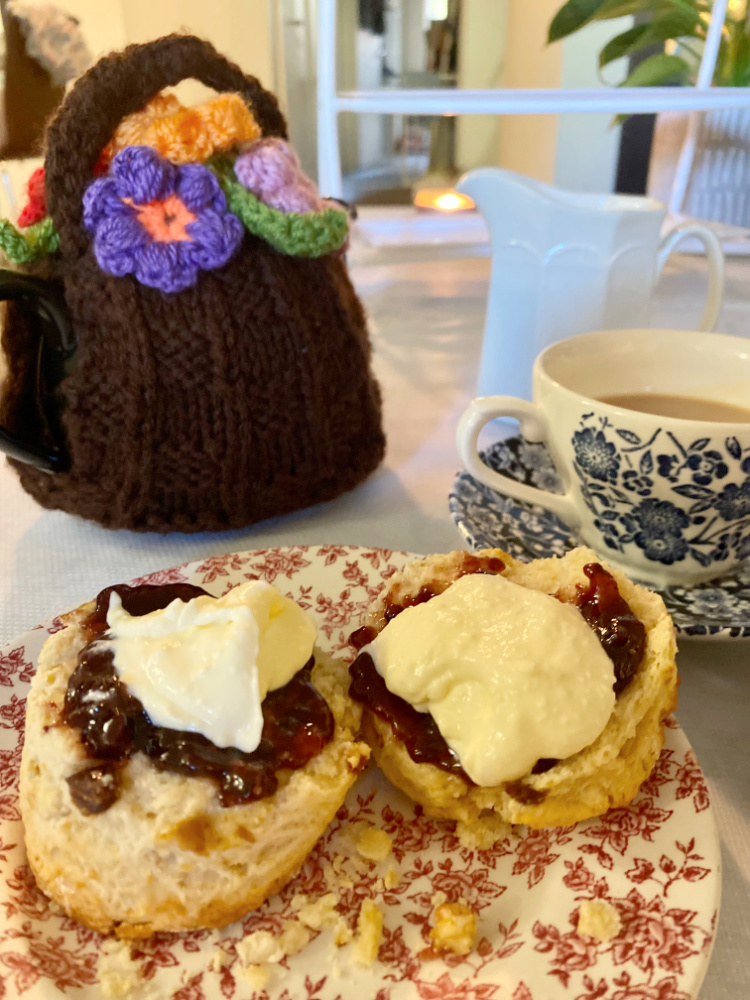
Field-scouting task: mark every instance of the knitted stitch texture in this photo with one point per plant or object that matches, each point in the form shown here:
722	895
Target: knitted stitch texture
161	222
185	135
309	234
245	396
33	243
35	208
272	171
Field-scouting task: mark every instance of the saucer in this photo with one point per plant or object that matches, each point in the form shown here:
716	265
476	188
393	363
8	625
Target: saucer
718	609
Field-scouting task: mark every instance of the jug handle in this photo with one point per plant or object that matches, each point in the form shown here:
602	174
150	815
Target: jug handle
56	349
715	258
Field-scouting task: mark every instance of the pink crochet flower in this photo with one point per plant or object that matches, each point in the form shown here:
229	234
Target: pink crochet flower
271	170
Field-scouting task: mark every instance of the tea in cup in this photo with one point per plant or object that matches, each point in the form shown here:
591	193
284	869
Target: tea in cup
650	434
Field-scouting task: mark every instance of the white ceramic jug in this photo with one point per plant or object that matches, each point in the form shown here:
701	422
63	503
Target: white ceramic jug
566	263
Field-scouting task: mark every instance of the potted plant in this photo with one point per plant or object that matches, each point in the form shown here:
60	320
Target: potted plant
720	177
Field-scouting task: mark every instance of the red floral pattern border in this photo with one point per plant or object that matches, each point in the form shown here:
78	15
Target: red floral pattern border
656	862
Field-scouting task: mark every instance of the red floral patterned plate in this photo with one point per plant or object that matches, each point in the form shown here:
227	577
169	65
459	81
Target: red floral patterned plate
657	863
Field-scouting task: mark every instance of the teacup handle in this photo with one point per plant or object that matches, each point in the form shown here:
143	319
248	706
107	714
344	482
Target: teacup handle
534	427
715	257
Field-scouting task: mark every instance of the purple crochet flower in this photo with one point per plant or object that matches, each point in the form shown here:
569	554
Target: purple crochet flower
158	221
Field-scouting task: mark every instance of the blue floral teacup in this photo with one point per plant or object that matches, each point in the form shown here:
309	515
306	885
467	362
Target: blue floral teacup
665	498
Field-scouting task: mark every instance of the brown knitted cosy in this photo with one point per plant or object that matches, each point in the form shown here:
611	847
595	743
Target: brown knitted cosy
245	396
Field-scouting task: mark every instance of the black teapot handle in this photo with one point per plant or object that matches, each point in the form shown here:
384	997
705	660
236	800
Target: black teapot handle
55	359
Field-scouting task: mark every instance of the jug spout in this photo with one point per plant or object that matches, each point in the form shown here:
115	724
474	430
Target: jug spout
493	190
562	262
497	192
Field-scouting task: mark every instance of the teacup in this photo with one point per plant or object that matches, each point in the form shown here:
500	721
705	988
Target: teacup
665	498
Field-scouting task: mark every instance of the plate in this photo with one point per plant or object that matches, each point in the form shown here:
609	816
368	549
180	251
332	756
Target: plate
716	609
657	862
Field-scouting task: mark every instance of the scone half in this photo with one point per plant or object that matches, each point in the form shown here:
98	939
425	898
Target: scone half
603	775
167	856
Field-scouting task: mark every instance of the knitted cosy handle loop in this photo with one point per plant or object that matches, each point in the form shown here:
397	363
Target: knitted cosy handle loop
116	86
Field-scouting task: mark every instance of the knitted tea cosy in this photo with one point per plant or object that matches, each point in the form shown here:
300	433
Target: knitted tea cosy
223	367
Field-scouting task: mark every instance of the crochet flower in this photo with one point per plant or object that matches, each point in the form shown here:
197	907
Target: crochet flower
299	234
185	135
160	222
36	207
272	171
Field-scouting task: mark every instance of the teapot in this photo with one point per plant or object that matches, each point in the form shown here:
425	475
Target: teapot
243	392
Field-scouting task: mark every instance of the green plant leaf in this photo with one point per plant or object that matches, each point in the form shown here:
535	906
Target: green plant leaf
695	7
666	25
611	9
621	45
622	8
675	24
733	63
572	16
658	70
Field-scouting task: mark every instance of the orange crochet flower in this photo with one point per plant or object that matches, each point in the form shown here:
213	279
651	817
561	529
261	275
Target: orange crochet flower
185	135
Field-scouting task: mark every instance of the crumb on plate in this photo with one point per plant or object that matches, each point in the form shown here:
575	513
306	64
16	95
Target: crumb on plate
219	959
119	975
294	937
318	915
369	933
342	933
374	844
598	919
254	976
455	928
482	833
392	877
260	946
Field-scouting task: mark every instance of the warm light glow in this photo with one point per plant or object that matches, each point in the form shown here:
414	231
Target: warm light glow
448	201
440	200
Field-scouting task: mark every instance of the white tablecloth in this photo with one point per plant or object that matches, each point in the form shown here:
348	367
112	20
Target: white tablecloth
426	321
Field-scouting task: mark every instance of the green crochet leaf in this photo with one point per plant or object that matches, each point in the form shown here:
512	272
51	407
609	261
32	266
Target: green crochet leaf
27	245
309	234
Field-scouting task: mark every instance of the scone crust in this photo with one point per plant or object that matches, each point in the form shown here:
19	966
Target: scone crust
604	775
167	856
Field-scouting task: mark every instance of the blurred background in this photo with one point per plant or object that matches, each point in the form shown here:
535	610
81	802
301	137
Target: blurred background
447	44
386	159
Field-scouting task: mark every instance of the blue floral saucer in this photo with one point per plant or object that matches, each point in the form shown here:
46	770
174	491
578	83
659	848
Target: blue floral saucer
717	609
